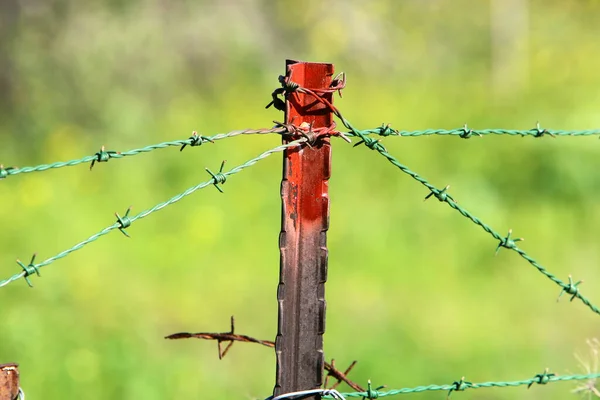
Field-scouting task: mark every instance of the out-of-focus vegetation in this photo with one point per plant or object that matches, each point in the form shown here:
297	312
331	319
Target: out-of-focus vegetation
414	292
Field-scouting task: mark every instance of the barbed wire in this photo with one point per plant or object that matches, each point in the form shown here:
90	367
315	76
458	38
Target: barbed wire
104	155
571	288
291	88
123	222
457	386
462	385
465	132
231	337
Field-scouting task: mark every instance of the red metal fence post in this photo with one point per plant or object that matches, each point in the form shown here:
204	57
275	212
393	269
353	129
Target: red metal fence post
303	238
9	381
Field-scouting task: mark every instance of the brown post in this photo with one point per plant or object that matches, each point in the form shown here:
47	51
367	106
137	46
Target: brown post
9	381
303	238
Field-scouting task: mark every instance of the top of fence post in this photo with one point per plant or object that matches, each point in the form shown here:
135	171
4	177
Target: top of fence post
305	220
9	381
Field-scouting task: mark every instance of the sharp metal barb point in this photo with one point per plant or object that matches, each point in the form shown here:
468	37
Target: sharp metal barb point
196	140
124	221
29	269
5	172
372	393
219	177
542	378
103	156
539	132
508	242
459	386
570	288
467	132
441	195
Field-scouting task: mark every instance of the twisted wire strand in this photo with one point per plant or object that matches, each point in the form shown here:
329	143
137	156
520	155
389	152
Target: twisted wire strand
461	385
465	132
506	242
194	140
126	221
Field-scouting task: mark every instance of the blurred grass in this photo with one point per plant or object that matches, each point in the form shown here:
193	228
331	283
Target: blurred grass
414	291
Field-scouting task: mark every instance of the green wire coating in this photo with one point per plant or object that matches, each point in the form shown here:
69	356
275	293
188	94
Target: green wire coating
461	385
506	242
102	155
125	221
466	132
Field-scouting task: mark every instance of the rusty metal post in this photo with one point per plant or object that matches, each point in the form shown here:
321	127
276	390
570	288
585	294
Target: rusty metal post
9	381
303	238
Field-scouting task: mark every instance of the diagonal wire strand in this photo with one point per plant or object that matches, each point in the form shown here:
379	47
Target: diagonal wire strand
195	140
463	385
121	224
506	242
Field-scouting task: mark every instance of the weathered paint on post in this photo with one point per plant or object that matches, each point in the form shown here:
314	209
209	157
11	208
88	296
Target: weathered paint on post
303	238
9	381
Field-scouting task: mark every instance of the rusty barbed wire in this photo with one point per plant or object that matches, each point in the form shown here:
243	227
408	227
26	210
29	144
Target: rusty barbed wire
231	337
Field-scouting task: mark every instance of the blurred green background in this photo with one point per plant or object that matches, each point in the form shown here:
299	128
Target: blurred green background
415	293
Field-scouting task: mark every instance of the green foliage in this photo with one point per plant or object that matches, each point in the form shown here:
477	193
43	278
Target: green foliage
415	292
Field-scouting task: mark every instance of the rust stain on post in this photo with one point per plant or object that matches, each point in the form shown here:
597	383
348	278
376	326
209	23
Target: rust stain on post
9	381
303	244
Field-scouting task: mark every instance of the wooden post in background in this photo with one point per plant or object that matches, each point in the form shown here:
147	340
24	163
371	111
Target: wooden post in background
9	381
303	238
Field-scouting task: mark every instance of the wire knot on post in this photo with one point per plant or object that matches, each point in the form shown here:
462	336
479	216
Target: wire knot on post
29	269
196	140
287	87
459	386
508	242
124	221
103	156
570	289
5	172
542	378
219	177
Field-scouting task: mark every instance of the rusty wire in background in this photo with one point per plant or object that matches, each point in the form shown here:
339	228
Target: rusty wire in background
231	337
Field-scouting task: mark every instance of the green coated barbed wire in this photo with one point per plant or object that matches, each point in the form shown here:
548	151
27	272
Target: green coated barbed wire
104	155
571	288
288	87
466	132
123	222
461	385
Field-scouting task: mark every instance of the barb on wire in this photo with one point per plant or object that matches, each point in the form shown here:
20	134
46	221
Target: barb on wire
126	221
461	385
465	132
104	155
231	337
